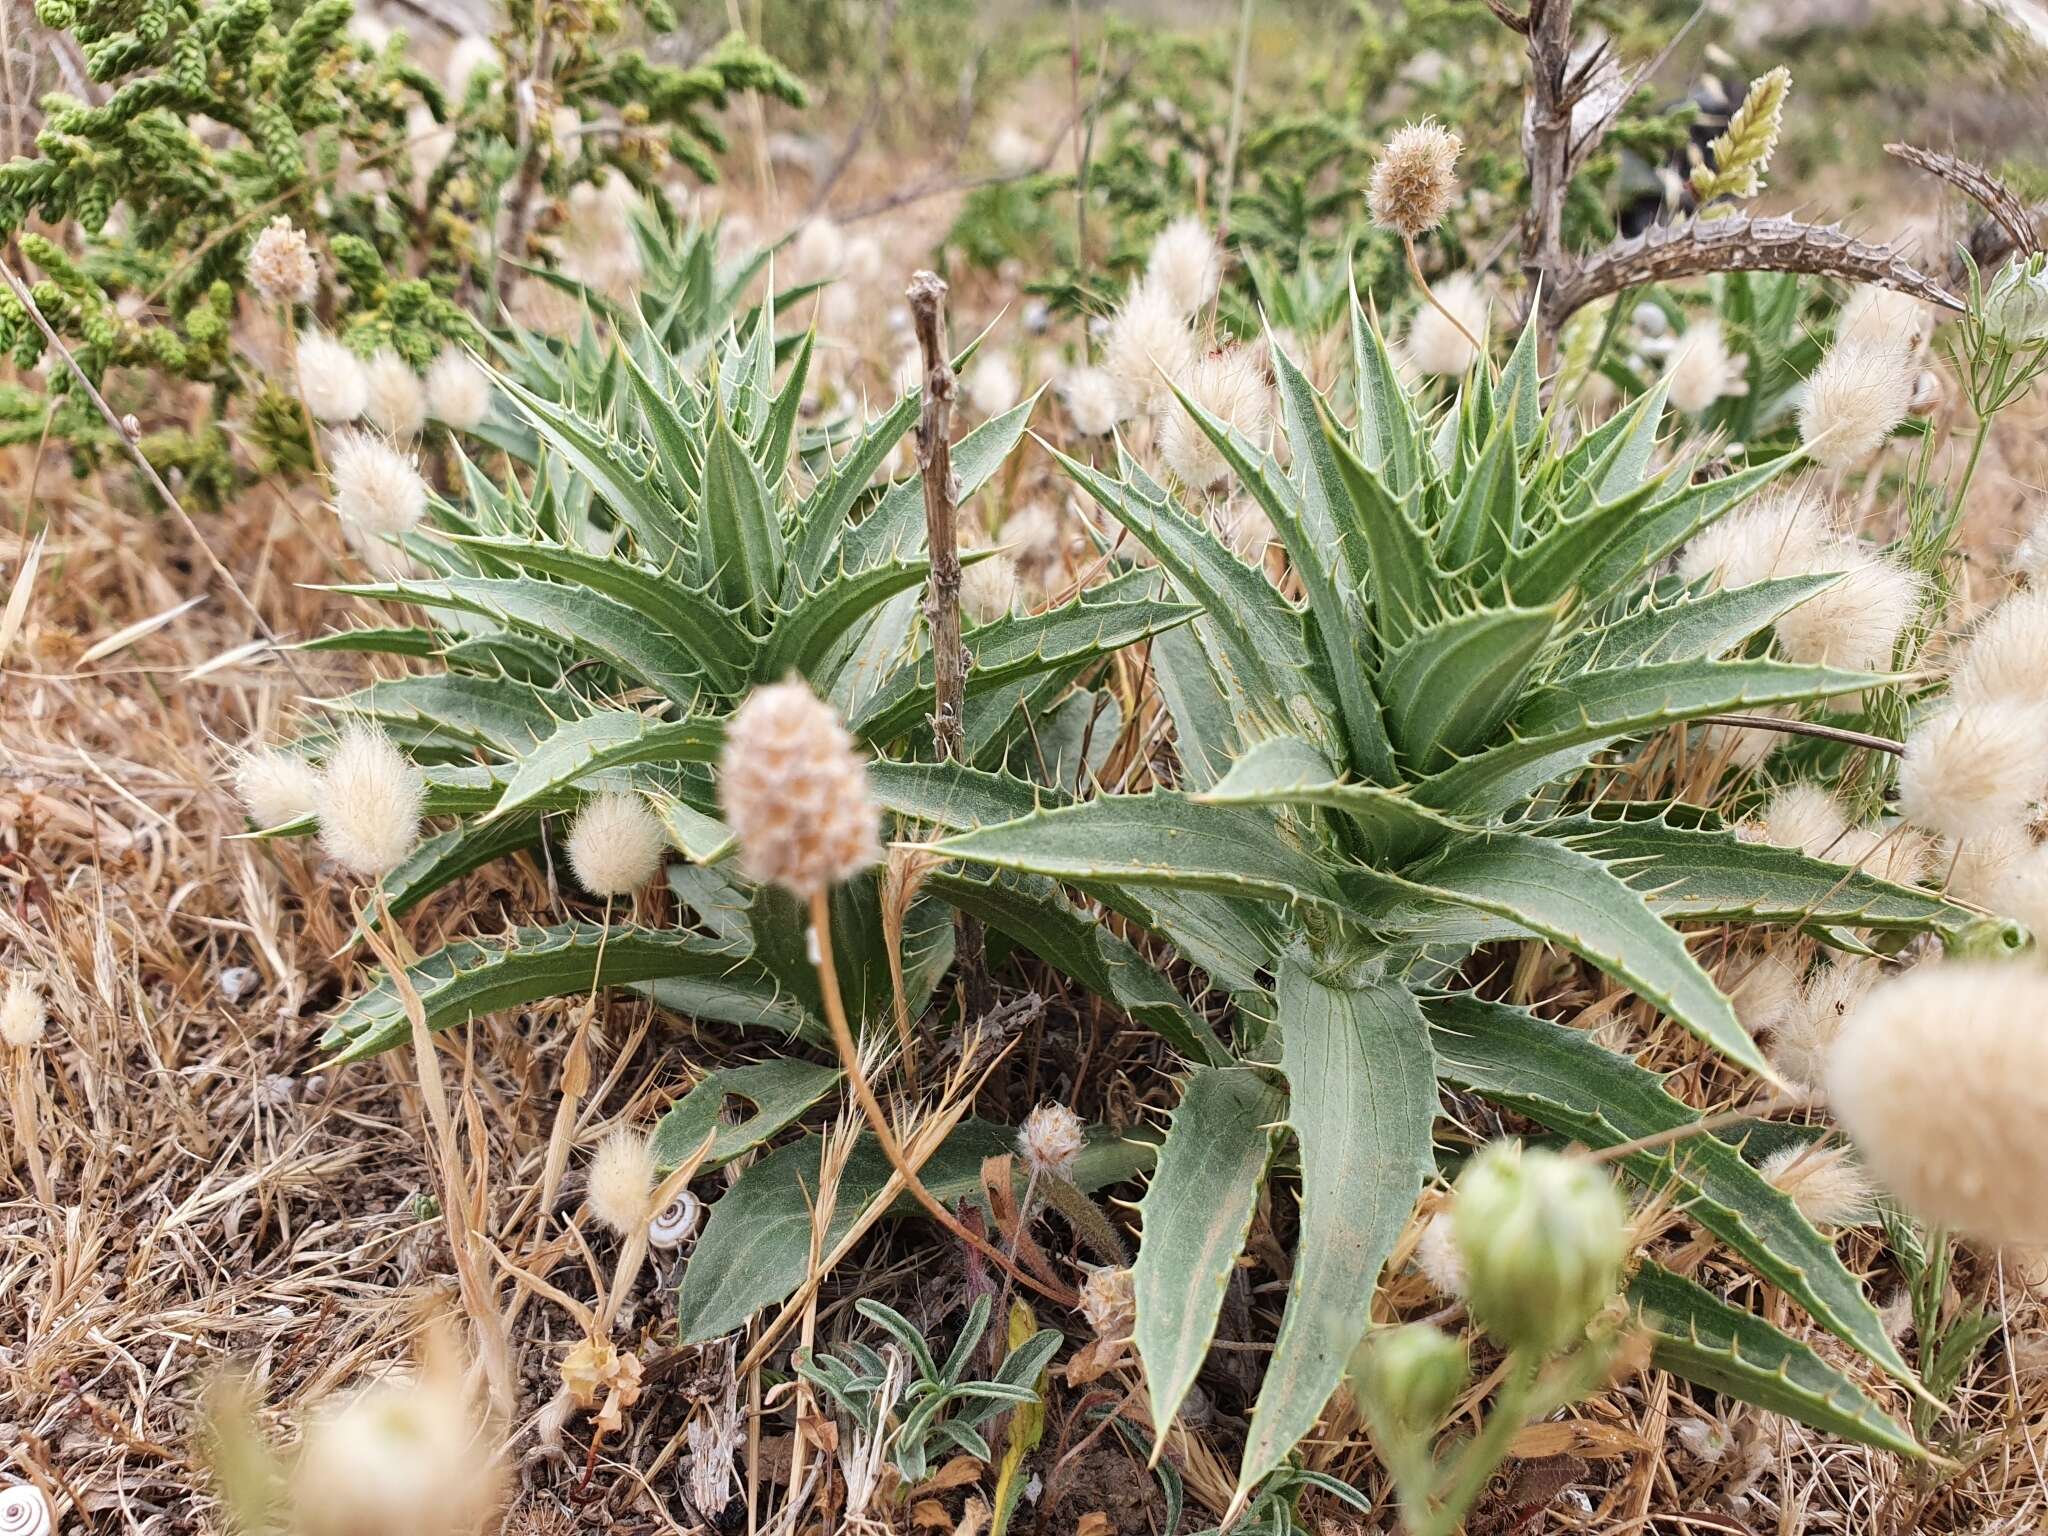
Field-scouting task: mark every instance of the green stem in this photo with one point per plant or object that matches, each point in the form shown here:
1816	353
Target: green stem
1486	1450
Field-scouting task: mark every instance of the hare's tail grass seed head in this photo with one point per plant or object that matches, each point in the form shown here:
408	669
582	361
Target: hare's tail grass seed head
332	379
458	392
795	791
1854	400
620	1183
1941	1078
22	1014
615	844
276	787
397	401
371	802
1184	264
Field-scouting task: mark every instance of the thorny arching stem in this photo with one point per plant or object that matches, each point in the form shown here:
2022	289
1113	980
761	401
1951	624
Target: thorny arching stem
1429	293
878	1120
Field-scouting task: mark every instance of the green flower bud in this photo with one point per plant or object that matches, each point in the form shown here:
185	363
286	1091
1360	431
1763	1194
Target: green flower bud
1411	1375
2016	304
1543	1238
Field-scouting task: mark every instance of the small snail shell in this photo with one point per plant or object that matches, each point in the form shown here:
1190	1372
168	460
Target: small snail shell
672	1224
25	1512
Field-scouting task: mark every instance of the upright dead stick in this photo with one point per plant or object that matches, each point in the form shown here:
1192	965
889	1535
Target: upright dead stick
1547	142
927	295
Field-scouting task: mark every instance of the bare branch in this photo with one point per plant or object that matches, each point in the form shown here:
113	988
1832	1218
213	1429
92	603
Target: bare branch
1978	185
1738	244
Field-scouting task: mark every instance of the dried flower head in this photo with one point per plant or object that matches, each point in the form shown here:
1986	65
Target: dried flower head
1803	1038
615	844
1051	1140
331	378
22	1015
1941	1078
281	265
371	800
620	1183
1853	401
1433	343
277	787
458	392
1974	768
1146	343
1231	386
1246	528
1701	369
1827	1184
1415	179
1109	1302
992	384
1437	1256
1093	403
1856	623
1184	264
397	403
795	791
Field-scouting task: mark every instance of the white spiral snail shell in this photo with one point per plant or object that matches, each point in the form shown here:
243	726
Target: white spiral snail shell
672	1224
25	1512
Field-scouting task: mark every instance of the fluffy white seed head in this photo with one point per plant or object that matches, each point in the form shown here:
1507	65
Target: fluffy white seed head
22	1015
458	392
1856	623
1146	343
1245	528
405	1457
1941	1078
1109	1302
371	800
1774	536
1701	369
620	1182
1094	404
1799	1046
1891	851
397	402
378	495
2006	656
1764	990
276	787
1827	1184
1806	817
2021	890
795	792
331	378
988	588
819	252
1434	344
1036	542
1051	1141
1977	867
1415	179
1974	768
615	844
1438	1258
1883	317
468	56
281	265
1231	386
992	384
1854	400
1184	264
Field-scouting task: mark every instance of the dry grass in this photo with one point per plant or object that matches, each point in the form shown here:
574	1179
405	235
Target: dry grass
220	1198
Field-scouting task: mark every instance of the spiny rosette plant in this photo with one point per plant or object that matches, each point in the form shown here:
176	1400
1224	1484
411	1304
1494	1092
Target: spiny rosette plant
588	638
1389	773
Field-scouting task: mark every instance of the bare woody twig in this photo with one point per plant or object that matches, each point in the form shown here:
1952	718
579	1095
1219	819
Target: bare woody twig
927	295
532	149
